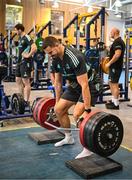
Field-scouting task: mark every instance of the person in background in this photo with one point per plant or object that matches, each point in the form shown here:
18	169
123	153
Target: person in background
115	66
26	48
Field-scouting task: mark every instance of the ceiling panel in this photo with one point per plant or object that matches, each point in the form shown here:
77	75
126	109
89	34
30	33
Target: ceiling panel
126	8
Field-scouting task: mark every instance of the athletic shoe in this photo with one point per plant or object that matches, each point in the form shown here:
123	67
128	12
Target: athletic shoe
65	141
85	152
109	102
27	103
112	106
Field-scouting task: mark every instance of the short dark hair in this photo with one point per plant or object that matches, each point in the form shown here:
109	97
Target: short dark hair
50	41
60	40
20	27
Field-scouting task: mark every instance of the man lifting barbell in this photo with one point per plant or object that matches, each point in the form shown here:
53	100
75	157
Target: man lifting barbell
70	63
115	66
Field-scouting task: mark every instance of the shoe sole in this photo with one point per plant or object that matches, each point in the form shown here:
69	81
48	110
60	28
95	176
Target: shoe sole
112	108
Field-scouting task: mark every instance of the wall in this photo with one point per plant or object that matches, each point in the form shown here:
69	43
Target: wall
113	21
3	12
2	15
35	13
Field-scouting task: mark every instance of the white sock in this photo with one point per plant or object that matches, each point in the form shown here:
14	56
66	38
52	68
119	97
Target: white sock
85	152
67	140
68	135
116	102
112	99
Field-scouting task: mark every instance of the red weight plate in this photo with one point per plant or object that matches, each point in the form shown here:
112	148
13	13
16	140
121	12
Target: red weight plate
36	117
34	106
82	125
43	114
35	110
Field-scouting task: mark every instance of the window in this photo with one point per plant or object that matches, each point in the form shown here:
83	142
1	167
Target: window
57	19
13	15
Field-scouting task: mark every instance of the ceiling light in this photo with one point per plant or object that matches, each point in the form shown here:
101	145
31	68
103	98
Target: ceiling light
42	1
118	15
116	10
18	1
118	3
90	9
55	4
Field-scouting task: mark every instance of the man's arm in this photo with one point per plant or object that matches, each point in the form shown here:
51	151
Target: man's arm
52	77
115	57
83	81
32	51
58	86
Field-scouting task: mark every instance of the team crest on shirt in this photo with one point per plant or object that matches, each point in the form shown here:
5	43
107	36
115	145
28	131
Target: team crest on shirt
25	74
67	66
58	66
22	42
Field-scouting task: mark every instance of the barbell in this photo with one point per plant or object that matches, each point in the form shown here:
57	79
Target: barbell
100	132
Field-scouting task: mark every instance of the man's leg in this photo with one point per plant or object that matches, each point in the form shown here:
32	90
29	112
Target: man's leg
20	85
27	88
114	87
78	111
111	89
61	110
25	70
115	93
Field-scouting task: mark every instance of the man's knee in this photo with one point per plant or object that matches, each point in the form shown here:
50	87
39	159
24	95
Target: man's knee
78	110
115	85
61	109
26	82
18	80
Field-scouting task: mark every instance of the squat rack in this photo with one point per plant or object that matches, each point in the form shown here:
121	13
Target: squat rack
77	21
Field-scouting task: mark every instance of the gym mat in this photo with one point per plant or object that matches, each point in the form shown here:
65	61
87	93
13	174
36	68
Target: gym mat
21	158
93	166
48	136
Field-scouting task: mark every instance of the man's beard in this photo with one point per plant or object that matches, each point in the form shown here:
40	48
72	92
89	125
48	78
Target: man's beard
54	56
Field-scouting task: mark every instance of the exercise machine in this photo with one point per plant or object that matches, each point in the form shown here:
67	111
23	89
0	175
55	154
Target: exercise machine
76	21
40	67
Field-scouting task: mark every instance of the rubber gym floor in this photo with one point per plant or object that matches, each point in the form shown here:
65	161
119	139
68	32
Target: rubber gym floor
22	158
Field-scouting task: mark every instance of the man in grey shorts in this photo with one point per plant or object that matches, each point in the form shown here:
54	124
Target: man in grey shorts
24	65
